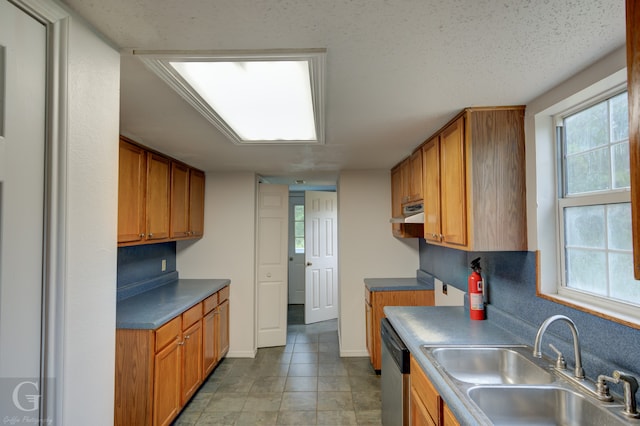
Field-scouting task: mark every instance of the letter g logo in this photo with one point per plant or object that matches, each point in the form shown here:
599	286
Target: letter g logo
32	398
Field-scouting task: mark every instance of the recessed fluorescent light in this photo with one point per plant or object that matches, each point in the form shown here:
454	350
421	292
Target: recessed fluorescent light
253	98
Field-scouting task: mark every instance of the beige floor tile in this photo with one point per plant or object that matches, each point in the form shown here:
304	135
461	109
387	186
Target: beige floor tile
335	401
298	418
335	418
299	401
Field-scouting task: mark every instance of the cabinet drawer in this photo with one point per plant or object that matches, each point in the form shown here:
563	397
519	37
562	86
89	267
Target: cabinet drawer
191	316
425	390
210	303
223	294
168	333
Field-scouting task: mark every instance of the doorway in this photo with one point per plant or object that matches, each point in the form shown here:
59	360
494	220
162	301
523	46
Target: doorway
313	269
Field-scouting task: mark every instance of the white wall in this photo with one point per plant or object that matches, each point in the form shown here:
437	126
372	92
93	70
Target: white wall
366	249
91	205
541	153
227	250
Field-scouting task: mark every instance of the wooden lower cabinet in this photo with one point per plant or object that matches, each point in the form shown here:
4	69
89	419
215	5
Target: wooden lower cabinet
192	361
158	371
375	301
166	380
426	406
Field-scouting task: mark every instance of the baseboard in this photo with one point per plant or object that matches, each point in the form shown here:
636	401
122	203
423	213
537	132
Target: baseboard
242	354
353	353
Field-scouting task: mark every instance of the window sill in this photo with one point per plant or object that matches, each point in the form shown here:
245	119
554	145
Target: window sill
632	321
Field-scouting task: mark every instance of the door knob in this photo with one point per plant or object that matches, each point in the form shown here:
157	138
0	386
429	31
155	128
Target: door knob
309	263
291	259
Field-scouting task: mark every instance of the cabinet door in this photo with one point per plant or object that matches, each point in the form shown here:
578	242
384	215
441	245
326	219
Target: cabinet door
419	415
448	419
431	189
131	183
209	338
158	185
396	200
191	361
415	185
166	389
369	329
196	203
405	172
453	184
179	200
223	328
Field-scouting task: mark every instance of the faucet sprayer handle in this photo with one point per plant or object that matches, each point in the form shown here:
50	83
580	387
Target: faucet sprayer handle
630	389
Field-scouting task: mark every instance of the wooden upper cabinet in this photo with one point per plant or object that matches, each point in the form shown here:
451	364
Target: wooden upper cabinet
158	190
396	199
431	189
399	190
415	175
452	179
159	198
179	200
474	181
633	83
131	189
405	173
196	203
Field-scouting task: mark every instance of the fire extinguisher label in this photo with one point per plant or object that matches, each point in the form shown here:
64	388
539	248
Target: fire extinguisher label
476	301
480	286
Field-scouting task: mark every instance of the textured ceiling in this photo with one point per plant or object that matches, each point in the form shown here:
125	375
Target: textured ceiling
396	70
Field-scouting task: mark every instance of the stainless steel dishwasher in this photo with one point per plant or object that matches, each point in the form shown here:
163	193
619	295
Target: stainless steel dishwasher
394	377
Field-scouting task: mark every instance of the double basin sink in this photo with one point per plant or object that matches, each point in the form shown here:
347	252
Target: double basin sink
506	385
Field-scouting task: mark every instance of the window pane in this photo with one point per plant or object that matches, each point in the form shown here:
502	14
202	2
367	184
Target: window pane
588	172
299	231
586	270
623	286
584	226
620	166
587	129
298	213
299	245
619	226
619	117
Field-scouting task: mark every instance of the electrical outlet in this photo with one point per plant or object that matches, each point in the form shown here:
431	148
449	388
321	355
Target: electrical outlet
164	265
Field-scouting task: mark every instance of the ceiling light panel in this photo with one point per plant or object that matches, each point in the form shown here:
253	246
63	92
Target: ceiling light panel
253	98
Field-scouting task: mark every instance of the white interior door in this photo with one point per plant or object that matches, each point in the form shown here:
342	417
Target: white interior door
272	243
296	249
321	253
22	165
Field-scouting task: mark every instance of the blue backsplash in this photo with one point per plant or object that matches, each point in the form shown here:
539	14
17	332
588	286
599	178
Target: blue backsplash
514	306
140	268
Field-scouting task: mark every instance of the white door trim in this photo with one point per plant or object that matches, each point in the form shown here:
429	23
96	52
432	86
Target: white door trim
56	19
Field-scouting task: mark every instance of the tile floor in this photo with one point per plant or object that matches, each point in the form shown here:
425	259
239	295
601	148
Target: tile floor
303	383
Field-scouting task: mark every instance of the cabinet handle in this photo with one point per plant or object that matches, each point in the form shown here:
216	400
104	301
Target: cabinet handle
142	235
181	343
187	337
150	235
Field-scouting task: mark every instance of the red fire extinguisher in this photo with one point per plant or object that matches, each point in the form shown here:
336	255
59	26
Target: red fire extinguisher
476	297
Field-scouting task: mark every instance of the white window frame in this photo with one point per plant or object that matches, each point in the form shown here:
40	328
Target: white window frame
603	79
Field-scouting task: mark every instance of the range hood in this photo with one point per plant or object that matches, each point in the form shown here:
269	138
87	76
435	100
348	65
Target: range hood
412	213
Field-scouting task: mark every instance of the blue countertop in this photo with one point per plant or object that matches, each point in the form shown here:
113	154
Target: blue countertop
428	325
151	309
395	284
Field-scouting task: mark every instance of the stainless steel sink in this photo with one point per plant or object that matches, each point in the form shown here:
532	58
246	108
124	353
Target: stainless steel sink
490	365
540	405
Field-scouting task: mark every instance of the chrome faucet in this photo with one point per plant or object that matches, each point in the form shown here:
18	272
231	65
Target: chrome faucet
578	371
